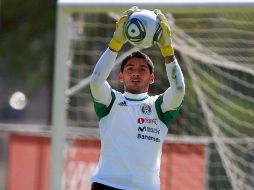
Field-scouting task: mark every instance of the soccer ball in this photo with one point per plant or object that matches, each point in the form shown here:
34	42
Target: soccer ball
142	29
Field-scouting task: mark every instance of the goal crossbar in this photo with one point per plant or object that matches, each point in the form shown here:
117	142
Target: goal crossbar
82	6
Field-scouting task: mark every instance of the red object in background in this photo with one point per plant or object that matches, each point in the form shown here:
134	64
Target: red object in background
183	165
28	163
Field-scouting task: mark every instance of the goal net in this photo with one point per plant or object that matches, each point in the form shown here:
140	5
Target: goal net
214	46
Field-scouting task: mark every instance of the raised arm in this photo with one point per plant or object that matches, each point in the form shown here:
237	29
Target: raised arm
100	88
173	96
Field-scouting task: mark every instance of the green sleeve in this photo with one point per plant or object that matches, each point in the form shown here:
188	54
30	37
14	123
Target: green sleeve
168	116
102	110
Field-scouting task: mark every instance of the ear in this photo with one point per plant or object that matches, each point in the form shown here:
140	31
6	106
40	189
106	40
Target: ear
120	77
152	78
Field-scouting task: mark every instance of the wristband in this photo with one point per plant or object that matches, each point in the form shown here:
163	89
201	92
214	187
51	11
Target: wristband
115	45
167	50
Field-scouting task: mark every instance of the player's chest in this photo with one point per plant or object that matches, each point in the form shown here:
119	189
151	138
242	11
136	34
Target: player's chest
135	108
136	114
137	119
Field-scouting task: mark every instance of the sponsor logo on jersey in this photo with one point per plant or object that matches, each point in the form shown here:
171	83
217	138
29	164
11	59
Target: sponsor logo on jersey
142	120
149	130
146	109
148	137
148	133
123	103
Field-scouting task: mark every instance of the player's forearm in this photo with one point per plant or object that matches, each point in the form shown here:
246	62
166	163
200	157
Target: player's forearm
100	89
173	96
103	67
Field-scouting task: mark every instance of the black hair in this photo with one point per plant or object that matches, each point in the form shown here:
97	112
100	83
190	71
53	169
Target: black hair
138	54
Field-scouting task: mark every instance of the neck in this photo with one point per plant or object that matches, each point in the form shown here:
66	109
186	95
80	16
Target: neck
139	97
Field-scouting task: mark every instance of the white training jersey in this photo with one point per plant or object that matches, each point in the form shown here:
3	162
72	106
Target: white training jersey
132	131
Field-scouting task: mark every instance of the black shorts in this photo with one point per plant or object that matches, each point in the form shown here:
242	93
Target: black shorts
99	186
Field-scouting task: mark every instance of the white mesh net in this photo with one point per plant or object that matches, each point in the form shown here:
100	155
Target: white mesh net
216	53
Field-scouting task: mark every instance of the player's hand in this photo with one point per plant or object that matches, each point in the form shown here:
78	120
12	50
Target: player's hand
119	38
164	42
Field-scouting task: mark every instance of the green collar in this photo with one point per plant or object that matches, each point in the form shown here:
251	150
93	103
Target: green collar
131	99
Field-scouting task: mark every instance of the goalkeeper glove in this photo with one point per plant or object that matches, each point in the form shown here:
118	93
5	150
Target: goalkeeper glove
164	42
119	38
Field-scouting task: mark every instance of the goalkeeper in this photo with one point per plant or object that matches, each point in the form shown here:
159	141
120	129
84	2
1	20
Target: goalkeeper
133	124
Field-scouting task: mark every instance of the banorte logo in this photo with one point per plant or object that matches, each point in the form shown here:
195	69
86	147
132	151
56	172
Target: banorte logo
142	120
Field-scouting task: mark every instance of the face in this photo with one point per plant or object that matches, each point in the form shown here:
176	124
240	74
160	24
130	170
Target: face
136	76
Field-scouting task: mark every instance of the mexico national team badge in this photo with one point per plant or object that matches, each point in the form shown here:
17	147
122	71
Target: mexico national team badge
146	109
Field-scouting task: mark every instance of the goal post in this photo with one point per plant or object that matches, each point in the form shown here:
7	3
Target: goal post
215	48
59	99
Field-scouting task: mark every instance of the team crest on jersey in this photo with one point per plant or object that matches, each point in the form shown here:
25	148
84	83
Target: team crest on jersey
146	109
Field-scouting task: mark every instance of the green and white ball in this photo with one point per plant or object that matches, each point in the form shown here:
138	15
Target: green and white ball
142	29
